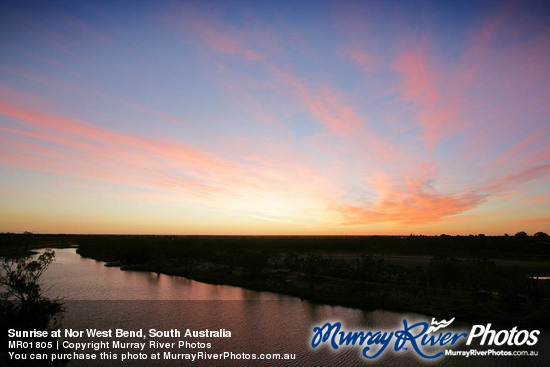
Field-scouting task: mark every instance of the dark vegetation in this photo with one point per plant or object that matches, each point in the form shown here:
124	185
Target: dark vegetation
476	278
23	305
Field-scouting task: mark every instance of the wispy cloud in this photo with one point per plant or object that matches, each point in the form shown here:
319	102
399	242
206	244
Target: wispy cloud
533	221
361	116
63	146
536	199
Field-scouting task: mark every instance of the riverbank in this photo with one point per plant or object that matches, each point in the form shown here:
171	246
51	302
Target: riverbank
16	245
343	271
398	297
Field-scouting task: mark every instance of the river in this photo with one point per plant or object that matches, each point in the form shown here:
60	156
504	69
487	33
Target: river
104	298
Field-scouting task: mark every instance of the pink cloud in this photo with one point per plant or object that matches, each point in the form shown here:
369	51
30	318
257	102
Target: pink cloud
437	111
70	88
205	29
533	221
414	204
338	117
118	156
526	152
62	146
436	122
418	202
438	95
536	199
365	61
101	139
419	78
325	104
223	42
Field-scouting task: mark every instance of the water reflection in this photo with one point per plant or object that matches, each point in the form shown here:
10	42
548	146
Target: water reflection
76	278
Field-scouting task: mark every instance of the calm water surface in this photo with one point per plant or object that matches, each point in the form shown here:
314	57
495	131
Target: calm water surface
260	322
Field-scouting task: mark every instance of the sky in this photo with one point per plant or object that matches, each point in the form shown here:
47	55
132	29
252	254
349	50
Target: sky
275	117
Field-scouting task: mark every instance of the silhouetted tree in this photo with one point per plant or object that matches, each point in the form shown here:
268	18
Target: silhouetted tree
521	234
23	306
22	303
541	235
